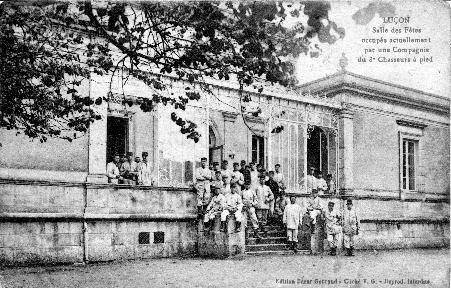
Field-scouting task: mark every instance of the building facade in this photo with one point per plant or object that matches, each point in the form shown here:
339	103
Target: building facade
386	146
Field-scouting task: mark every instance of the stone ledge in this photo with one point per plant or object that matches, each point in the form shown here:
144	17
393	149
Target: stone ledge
154	216
444	197
4	181
14	217
407	220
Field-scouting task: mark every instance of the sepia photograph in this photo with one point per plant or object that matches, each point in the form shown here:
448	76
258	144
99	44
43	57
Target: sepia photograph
221	143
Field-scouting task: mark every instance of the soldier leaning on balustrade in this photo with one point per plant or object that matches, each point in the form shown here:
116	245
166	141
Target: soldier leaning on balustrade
128	170
112	170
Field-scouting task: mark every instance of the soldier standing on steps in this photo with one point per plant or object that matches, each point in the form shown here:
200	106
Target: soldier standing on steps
292	218
249	202
264	197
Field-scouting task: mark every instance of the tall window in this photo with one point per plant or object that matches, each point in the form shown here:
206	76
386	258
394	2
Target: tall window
409	163
258	149
117	136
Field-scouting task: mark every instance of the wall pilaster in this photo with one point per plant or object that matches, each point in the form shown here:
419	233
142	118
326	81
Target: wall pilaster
346	151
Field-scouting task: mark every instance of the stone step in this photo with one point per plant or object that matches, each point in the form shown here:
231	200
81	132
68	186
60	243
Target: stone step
268	240
270	232
266	247
274	233
274	227
281	252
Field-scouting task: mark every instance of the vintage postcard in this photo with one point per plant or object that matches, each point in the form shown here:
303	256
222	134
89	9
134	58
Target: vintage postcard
225	144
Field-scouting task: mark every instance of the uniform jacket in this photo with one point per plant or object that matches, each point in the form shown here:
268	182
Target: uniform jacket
249	198
332	224
217	203
314	203
233	201
292	216
264	195
274	186
237	177
112	171
145	174
350	222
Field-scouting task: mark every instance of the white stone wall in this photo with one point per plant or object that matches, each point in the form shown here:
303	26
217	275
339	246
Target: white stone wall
45	222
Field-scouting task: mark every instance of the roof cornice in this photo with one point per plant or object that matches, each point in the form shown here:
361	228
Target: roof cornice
345	81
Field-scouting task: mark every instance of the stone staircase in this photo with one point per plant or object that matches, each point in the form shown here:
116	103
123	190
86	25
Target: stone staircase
274	242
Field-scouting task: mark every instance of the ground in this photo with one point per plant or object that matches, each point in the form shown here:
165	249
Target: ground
383	268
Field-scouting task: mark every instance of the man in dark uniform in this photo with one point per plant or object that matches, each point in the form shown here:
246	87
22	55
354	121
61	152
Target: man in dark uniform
274	186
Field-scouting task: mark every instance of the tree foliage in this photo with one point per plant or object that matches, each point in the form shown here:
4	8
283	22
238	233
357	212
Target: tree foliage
49	48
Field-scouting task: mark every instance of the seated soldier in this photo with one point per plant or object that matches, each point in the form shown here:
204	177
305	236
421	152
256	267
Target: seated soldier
314	207
215	207
233	205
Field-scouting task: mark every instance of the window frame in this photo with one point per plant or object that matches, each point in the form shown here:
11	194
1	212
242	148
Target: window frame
259	151
415	138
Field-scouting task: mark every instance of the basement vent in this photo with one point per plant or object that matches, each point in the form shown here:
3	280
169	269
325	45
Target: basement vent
144	238
158	237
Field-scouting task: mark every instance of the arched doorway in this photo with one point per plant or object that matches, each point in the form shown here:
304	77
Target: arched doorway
215	150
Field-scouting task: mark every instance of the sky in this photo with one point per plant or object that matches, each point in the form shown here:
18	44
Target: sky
432	17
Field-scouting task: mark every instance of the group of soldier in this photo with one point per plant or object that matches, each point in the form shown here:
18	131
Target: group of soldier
243	189
124	169
250	190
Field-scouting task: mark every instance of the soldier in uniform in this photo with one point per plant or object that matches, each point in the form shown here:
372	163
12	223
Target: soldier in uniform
254	175
332	228
292	219
350	227
278	177
226	173
234	206
314	206
274	186
203	177
249	202
312	182
264	197
145	172
237	177
215	207
113	171
128	170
